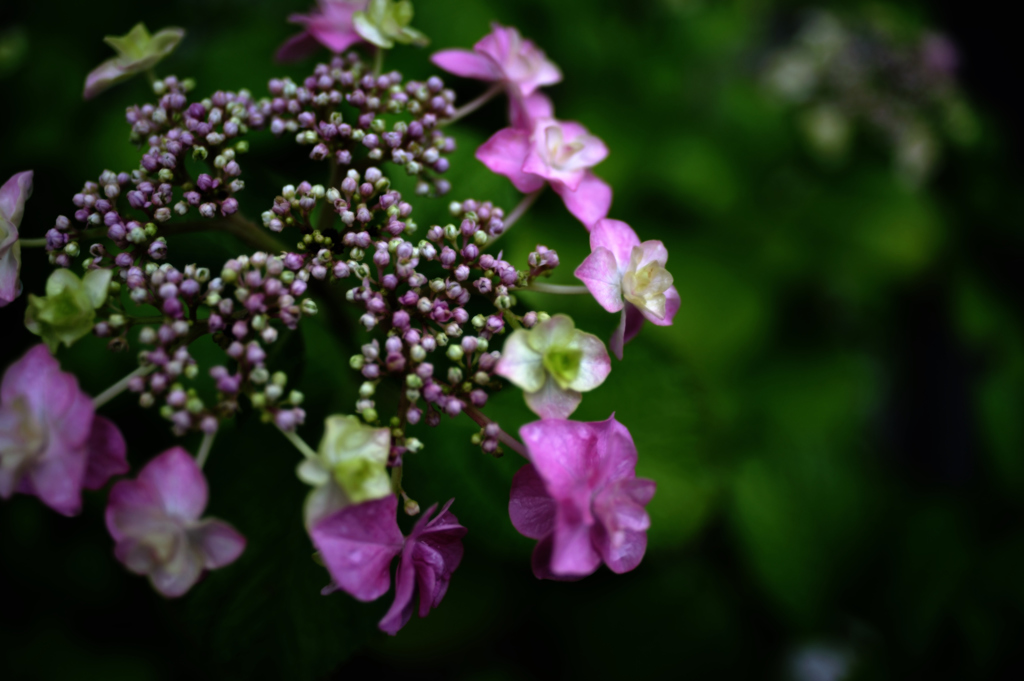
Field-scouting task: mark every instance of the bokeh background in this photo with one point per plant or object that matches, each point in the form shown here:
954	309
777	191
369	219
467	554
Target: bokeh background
834	420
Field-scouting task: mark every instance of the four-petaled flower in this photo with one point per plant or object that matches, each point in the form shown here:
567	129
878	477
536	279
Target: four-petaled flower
329	25
52	443
155	520
503	56
13	195
67	311
386	22
555	152
137	52
351	467
581	498
624	274
553	363
358	543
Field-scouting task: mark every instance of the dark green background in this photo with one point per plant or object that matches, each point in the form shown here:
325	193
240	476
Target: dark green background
834	421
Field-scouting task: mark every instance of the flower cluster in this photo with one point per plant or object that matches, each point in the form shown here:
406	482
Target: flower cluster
446	325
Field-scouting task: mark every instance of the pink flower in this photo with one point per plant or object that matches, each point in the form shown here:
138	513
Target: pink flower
432	552
52	444
624	274
557	153
155	520
581	498
502	56
13	195
329	25
359	542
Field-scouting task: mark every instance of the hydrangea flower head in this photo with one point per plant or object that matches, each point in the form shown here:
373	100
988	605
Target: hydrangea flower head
13	195
51	442
580	498
386	22
626	275
67	311
330	25
352	467
553	363
156	522
431	553
556	153
137	52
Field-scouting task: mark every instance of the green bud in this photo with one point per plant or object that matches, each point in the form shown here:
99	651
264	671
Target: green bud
367	389
259	401
413	381
279	378
413	445
454	375
451	232
260	375
116	320
370	415
442	339
229	276
242	146
481	378
199	153
191	371
480	237
309	307
166	411
455	208
296	398
479	322
194	405
274	392
357	362
165	175
417	353
454	353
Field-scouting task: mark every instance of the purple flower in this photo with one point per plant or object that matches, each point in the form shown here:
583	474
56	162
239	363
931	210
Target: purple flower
502	56
624	274
13	195
137	52
581	498
51	442
359	542
557	153
432	552
553	363
155	520
329	25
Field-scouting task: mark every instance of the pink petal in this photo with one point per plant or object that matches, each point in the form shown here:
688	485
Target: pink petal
524	111
179	483
563	453
219	543
467	64
617	237
176	577
541	563
600	273
530	507
551	402
335	40
400	612
134	509
106	447
358	544
105	76
27	373
13	195
623	556
617	341
504	154
520	364
299	46
590	202
57	478
572	552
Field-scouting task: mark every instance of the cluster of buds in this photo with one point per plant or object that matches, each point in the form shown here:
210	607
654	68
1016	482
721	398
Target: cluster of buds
447	328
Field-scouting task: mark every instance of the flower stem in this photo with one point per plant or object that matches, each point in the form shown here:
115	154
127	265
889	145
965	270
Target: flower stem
204	448
32	243
559	289
482	421
475	104
378	61
300	444
517	212
119	387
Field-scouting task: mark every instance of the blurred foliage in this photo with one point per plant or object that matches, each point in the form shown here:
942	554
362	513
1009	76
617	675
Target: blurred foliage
834	421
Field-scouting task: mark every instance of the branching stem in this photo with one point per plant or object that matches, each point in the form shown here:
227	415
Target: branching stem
482	421
119	387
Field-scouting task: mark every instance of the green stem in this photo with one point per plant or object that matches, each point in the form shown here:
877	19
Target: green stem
327	214
378	61
557	289
517	212
300	444
32	243
482	421
204	448
119	387
475	104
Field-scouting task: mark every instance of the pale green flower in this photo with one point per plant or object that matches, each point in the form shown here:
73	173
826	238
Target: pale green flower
67	311
386	22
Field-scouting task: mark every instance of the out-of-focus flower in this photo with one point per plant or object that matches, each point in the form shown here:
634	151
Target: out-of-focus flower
137	52
431	553
13	195
624	274
557	153
155	520
51	442
580	498
351	468
386	22
358	543
330	25
67	311
503	56
553	363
